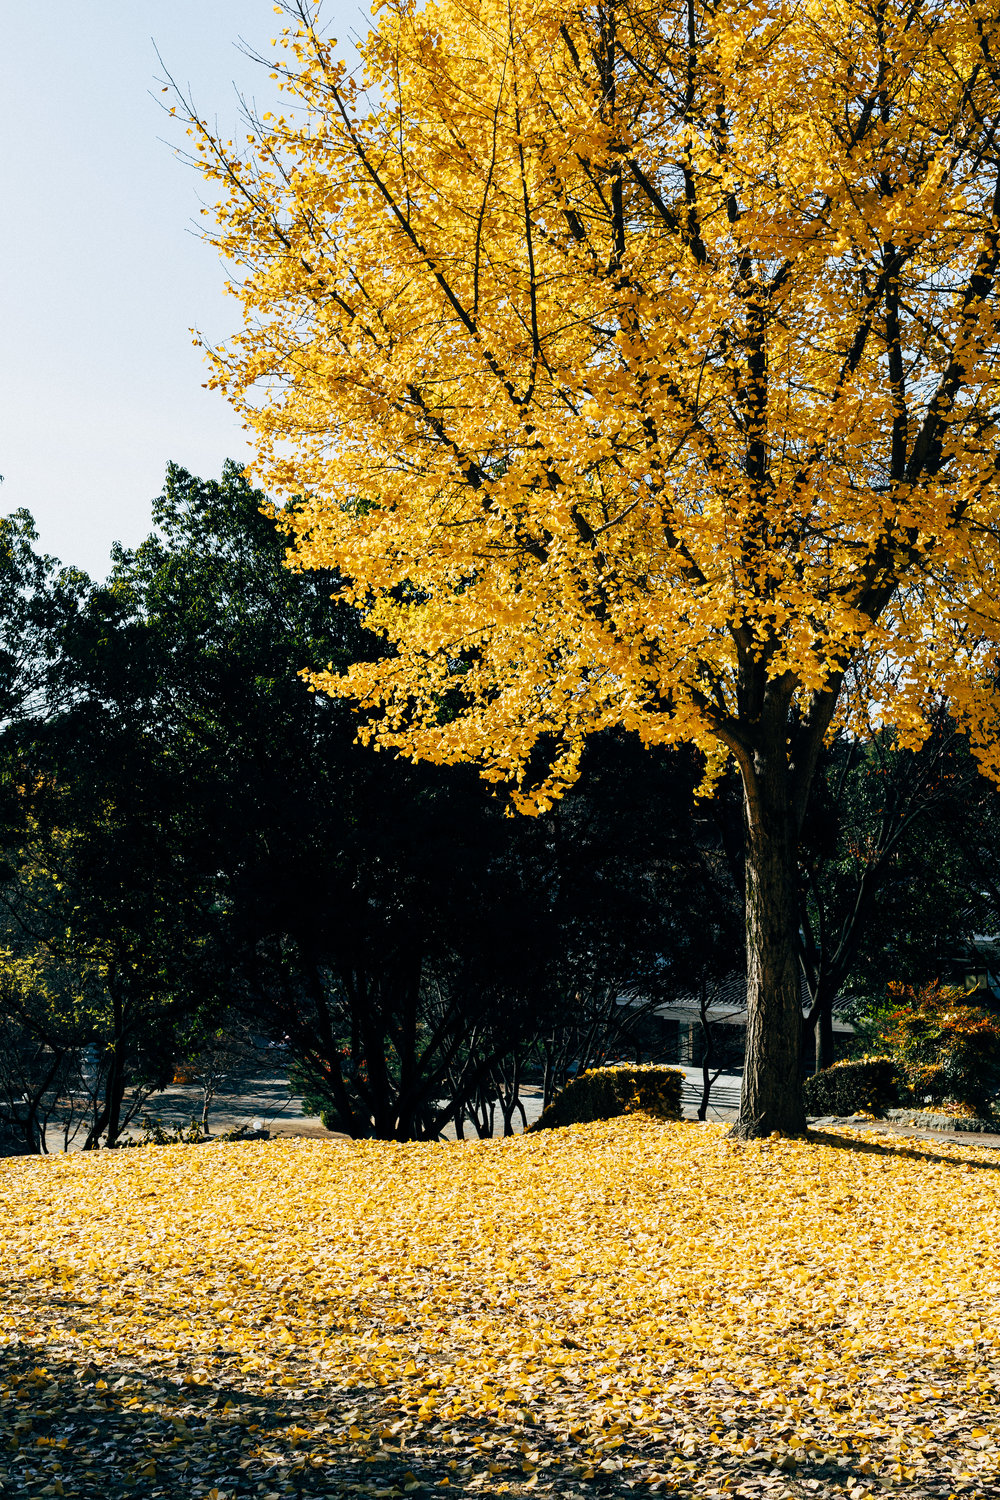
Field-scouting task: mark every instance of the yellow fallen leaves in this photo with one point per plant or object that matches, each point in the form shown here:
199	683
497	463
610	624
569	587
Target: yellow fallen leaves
632	1304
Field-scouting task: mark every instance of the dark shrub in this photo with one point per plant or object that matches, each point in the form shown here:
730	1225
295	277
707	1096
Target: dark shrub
603	1093
865	1083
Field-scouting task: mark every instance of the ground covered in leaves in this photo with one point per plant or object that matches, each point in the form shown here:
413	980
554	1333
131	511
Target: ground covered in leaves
628	1308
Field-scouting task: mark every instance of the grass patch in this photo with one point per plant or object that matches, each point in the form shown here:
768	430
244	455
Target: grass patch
632	1307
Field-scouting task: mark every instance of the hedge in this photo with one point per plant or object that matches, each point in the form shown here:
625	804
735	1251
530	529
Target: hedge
603	1093
870	1084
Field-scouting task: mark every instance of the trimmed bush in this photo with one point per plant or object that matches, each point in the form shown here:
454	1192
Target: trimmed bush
865	1083
603	1093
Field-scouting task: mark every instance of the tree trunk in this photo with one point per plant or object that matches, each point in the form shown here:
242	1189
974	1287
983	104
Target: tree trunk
772	1092
548	1076
825	1055
114	1095
707	1041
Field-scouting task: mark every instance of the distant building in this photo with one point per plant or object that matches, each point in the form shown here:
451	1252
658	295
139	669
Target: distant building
975	968
673	1032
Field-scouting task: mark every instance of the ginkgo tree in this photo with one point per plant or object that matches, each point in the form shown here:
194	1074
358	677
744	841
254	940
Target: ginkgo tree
636	363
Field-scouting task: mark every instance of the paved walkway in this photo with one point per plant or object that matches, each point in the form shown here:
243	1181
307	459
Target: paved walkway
266	1099
268	1104
902	1130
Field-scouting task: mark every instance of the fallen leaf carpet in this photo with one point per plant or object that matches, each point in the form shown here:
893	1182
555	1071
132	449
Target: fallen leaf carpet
629	1308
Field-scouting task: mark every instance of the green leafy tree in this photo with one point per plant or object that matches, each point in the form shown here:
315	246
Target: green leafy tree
890	869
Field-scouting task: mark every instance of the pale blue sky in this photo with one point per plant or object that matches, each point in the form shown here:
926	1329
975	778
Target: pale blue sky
102	276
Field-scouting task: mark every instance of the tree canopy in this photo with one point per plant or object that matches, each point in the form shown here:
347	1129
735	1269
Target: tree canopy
602	377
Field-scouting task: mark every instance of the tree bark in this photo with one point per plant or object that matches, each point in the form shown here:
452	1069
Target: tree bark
771	1099
825	1049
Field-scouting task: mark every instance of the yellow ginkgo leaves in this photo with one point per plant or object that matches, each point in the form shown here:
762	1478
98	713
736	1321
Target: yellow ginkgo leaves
636	1305
624	360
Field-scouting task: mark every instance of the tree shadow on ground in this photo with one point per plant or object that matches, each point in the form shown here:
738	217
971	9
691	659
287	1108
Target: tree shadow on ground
899	1146
118	1431
121	1431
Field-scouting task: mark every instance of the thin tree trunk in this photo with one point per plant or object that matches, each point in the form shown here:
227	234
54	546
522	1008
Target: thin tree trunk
708	1053
772	1093
548	1076
114	1096
104	1092
825	1054
34	1130
818	1048
327	1053
509	1100
114	1091
97	1124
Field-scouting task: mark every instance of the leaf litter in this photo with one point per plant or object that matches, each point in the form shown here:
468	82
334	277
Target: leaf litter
636	1307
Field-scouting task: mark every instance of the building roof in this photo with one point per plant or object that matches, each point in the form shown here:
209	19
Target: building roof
727	1003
